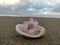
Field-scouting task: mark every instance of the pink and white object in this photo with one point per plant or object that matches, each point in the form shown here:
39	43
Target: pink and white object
34	27
30	28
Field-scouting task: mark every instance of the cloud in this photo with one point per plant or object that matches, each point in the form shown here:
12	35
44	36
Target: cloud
8	2
35	6
53	3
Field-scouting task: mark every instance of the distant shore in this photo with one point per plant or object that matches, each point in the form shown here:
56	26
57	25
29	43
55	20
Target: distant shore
43	16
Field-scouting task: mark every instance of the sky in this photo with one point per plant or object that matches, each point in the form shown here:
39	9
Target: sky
30	6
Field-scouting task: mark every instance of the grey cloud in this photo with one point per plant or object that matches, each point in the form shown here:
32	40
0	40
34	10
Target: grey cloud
31	7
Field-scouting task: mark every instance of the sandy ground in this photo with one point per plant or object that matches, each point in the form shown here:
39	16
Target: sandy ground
8	35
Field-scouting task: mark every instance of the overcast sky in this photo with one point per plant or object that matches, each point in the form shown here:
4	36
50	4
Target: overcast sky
35	5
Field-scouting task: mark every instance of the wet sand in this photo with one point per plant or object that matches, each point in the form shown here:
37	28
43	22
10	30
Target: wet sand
8	35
